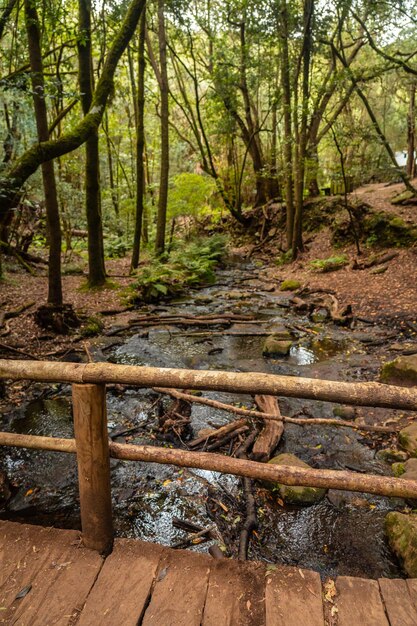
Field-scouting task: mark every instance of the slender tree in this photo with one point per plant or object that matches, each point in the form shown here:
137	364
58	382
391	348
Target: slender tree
140	142
48	174
96	267
164	161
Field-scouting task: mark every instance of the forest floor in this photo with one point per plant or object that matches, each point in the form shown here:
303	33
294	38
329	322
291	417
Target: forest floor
388	295
391	295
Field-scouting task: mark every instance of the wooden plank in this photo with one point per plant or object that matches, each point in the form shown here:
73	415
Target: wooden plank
59	573
294	598
359	602
14	544
90	427
123	588
235	595
412	590
180	590
398	602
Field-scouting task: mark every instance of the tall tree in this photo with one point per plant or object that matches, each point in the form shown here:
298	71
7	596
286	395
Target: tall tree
96	267
140	142
48	174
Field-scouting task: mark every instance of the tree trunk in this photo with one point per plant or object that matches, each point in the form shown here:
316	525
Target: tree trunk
140	143
286	98
44	151
48	174
411	132
96	268
164	172
297	240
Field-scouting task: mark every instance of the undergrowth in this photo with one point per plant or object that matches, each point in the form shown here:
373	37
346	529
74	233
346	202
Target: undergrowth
189	264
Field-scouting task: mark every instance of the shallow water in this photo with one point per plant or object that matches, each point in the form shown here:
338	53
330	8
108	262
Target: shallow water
342	534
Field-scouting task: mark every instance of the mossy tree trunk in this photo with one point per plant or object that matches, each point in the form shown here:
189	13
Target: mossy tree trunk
48	174
41	152
164	171
140	143
96	268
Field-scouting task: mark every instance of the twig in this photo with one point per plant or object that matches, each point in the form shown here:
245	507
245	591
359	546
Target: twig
270	416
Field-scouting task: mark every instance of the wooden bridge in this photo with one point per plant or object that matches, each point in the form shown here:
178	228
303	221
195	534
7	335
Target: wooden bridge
50	576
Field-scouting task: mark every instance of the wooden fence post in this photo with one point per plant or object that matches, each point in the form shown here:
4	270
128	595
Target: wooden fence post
90	426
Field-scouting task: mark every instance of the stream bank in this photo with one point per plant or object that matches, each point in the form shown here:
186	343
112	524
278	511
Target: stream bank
342	534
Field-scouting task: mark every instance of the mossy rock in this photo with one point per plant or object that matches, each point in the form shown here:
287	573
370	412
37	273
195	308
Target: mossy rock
93	326
398	469
388	230
401	530
403	197
331	264
290	285
345	412
403	371
275	346
301	496
406	470
407	438
392	455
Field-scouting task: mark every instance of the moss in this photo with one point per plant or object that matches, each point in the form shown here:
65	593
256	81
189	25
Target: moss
292	494
401	531
93	326
401	370
290	285
275	346
330	264
398	469
387	230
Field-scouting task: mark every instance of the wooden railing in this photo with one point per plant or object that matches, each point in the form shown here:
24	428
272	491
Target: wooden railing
93	449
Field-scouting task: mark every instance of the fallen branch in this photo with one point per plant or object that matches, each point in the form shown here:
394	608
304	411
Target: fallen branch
219	432
272	416
221	442
4	346
272	430
251	521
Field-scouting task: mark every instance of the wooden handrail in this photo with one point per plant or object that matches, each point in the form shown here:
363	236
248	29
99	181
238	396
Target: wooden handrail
285	474
94	450
361	394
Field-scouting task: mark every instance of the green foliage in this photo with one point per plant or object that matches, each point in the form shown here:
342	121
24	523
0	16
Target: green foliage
290	285
330	264
189	265
387	230
93	326
189	194
116	246
284	258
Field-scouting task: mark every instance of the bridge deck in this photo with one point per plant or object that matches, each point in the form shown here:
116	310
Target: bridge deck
47	578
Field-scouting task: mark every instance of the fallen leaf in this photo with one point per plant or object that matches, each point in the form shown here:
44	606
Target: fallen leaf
329	590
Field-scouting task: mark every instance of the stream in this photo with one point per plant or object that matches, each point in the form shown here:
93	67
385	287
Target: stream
341	535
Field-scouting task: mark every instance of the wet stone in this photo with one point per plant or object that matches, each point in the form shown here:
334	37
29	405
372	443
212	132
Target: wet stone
347	413
402	370
392	455
407	469
401	530
408	439
301	496
274	346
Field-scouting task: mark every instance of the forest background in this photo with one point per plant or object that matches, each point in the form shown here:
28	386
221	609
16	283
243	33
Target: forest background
139	128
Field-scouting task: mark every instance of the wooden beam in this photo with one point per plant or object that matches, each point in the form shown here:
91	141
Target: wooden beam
92	444
362	394
285	474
